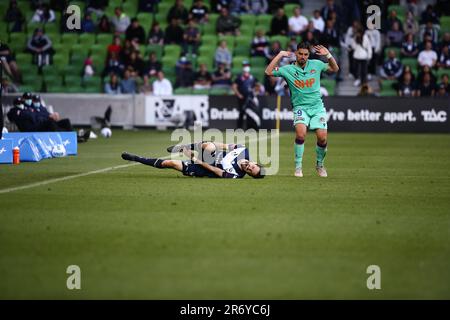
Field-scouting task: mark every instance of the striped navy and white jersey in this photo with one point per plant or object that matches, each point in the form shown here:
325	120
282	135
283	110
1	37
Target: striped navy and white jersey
228	161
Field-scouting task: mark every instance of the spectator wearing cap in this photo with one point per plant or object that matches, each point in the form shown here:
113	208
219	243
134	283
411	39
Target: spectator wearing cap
243	88
120	21
222	54
41	47
23	118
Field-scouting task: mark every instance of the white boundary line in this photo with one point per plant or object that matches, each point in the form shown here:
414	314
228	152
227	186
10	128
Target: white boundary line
75	176
43	183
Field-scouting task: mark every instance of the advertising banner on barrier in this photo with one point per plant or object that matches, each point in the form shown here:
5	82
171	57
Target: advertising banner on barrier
6	151
347	114
35	146
175	110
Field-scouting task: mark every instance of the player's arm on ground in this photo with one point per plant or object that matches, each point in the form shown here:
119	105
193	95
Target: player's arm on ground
332	64
274	63
219	172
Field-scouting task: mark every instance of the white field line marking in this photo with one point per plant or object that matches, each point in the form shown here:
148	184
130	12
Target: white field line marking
75	176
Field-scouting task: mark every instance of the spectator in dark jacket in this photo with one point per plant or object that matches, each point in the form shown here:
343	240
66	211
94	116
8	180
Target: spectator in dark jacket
392	67
156	35
147	5
41	47
199	12
227	24
174	33
14	15
178	12
279	24
135	31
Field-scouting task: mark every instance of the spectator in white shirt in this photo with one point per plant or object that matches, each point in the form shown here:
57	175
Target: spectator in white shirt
427	56
162	86
297	23
318	22
120	21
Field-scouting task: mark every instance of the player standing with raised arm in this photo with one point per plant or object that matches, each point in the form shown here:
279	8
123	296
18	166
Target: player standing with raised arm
303	79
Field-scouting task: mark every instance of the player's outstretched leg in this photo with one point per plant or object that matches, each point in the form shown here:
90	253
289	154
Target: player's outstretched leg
321	151
299	148
154	162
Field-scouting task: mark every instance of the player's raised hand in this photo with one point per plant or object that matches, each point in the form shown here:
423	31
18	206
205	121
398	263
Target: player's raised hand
285	53
321	50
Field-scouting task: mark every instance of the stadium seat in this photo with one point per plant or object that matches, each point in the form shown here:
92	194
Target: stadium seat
207	50
23	58
259	73
256	62
17	41
104	39
219	91
146	20
330	85
206	60
397	51
248	19
200	91
388	93
129	8
282	39
289	9
72	80
69	39
209	39
229	40
241	50
179	91
412	62
155	48
401	10
441	72
237	61
87	39
164	6
172	50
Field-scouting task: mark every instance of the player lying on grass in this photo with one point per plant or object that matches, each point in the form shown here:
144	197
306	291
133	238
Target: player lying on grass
218	160
303	79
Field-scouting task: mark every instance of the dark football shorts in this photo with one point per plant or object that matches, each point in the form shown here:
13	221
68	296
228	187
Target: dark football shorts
196	170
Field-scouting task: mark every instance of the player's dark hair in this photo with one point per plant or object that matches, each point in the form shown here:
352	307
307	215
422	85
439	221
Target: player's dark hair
303	45
261	174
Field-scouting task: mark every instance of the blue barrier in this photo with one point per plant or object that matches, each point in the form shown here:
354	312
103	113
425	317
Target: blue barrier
35	146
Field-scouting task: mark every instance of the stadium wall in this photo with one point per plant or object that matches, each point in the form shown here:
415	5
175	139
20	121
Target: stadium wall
357	114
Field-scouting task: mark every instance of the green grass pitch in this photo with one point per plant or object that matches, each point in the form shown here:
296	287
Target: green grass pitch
141	233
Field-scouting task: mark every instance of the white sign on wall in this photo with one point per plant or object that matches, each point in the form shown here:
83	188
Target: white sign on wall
173	110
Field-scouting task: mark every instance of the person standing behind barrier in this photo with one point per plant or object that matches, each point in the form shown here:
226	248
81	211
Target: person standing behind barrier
362	53
243	88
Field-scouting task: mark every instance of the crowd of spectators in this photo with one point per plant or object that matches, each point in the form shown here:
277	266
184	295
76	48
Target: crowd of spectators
335	25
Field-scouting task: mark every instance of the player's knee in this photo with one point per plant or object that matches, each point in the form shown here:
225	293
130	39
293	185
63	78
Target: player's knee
322	140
